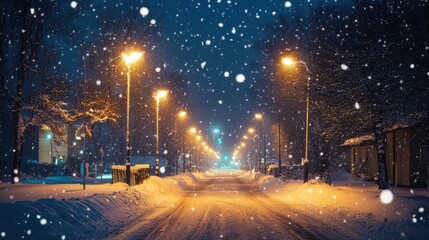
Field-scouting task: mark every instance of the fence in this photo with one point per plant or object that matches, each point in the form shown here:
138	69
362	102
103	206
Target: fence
289	172
139	173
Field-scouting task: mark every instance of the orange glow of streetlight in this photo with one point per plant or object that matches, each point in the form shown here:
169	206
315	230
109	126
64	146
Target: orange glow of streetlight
161	94
198	138
243	144
258	116
288	62
245	137
251	130
182	114
131	58
193	130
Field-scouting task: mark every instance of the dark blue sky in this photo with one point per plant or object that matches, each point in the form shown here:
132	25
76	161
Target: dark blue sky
211	39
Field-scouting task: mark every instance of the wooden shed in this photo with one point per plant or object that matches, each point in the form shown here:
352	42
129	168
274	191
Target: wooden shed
407	153
363	156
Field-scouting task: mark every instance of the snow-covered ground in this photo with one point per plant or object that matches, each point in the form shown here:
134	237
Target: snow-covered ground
230	205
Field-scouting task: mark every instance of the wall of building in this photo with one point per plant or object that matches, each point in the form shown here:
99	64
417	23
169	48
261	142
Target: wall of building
419	154
51	149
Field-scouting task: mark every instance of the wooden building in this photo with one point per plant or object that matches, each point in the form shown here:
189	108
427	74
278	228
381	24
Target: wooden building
363	157
407	154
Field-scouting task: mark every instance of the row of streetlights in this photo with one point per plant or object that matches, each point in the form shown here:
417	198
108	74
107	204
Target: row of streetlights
287	62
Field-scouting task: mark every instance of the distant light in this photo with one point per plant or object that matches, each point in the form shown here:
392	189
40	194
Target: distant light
98	82
288	4
153	21
162	170
158	69
226	74
240	78
144	11
290	156
16	179
208	42
321	154
49	136
344	66
258	116
187	155
165	152
81	152
386	196
73	4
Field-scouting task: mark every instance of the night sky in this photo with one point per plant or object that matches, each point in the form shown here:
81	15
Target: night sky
212	42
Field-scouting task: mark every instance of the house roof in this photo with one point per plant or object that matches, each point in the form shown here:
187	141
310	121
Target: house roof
356	141
409	121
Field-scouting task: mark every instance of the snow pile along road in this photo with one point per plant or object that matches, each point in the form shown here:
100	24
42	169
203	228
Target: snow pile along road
95	216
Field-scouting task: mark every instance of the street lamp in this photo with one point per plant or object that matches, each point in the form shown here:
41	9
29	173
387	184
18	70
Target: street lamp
289	62
192	130
128	60
260	117
160	94
182	115
251	130
50	137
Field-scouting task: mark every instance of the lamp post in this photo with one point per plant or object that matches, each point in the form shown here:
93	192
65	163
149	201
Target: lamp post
260	117
289	62
191	130
129	59
49	137
160	94
182	115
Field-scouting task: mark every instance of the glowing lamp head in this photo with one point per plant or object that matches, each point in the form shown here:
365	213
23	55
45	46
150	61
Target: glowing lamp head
193	130
49	136
131	58
288	62
198	137
258	116
251	130
161	94
182	114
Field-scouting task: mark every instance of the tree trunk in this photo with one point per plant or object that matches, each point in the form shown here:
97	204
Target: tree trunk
17	108
383	182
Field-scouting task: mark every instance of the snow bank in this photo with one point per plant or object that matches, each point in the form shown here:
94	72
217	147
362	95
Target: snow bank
357	203
56	213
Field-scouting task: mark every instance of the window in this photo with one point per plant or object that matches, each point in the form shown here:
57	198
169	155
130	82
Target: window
424	154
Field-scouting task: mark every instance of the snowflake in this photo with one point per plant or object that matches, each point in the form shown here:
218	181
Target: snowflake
144	11
386	196
240	78
344	66
288	4
73	4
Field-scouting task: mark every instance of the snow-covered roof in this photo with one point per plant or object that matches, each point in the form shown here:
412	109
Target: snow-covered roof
408	121
366	139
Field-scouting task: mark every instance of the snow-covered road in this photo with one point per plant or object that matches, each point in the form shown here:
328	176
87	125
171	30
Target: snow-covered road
229	207
212	205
